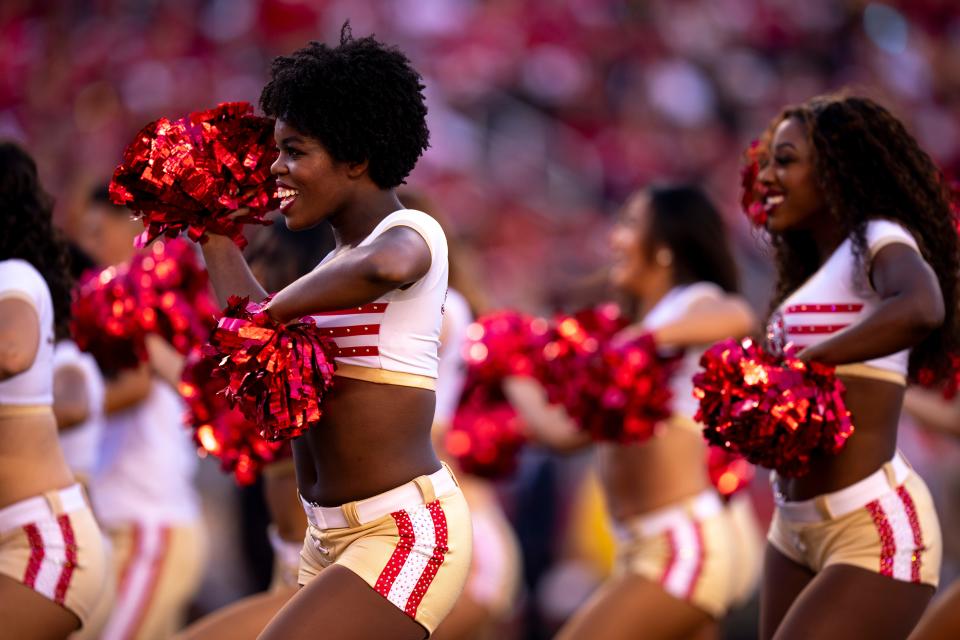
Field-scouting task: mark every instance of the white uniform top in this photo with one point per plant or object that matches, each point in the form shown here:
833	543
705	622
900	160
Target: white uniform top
400	331
19	279
837	296
453	368
672	306
147	462
81	442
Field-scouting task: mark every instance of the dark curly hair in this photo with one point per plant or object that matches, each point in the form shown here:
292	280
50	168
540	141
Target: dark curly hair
362	100
868	166
28	232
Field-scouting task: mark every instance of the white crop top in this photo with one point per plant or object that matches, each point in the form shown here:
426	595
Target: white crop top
838	296
81	443
395	339
453	367
33	387
671	307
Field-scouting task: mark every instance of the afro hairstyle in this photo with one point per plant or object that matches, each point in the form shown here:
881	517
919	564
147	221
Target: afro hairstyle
362	100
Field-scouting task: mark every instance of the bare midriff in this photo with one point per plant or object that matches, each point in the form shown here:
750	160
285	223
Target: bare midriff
31	462
641	478
875	409
372	437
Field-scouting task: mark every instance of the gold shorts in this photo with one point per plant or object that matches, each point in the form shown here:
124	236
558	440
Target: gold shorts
885	523
686	548
51	543
411	544
158	568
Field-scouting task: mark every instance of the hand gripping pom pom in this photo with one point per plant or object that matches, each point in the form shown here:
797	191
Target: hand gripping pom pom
277	375
777	413
221	430
191	174
162	290
486	435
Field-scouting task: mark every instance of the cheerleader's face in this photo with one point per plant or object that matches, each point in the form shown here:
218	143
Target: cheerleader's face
632	266
793	199
107	233
312	185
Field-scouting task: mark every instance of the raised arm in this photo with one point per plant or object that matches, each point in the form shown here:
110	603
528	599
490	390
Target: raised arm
19	336
398	257
911	307
229	272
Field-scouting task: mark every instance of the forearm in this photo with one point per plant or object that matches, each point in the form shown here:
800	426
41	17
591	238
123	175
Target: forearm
165	361
229	272
729	319
348	282
932	411
546	423
128	389
892	327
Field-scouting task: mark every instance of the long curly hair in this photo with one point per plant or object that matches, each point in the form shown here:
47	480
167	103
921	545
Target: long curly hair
28	231
868	166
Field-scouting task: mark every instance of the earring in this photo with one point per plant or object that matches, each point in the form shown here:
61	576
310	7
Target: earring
663	257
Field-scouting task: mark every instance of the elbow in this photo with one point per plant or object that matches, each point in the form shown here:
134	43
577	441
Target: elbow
14	362
385	271
927	315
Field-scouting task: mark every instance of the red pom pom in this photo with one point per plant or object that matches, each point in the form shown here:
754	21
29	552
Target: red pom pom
486	435
573	341
729	472
277	374
221	430
624	392
162	290
751	192
503	343
191	174
777	413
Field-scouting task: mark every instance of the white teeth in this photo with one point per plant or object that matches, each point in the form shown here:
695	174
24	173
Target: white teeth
773	201
286	192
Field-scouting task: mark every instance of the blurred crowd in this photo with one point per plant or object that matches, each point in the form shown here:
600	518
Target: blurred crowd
544	116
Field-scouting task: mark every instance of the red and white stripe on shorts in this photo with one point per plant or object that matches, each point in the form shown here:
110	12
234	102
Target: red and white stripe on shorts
901	540
685	558
417	558
138	580
53	557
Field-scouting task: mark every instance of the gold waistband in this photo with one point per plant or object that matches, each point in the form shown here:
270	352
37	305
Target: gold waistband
383	376
860	370
16	410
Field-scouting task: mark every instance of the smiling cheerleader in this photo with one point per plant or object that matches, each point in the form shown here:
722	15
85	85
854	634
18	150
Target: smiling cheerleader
867	264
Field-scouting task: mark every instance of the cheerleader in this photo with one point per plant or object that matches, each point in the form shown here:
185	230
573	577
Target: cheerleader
277	257
674	575
388	543
51	556
866	254
493	585
143	489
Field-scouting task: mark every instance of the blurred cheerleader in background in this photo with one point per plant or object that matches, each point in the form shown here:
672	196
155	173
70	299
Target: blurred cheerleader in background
143	489
52	565
676	572
866	253
493	585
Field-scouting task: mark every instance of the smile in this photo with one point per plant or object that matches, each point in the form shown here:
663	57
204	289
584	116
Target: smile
772	201
287	196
